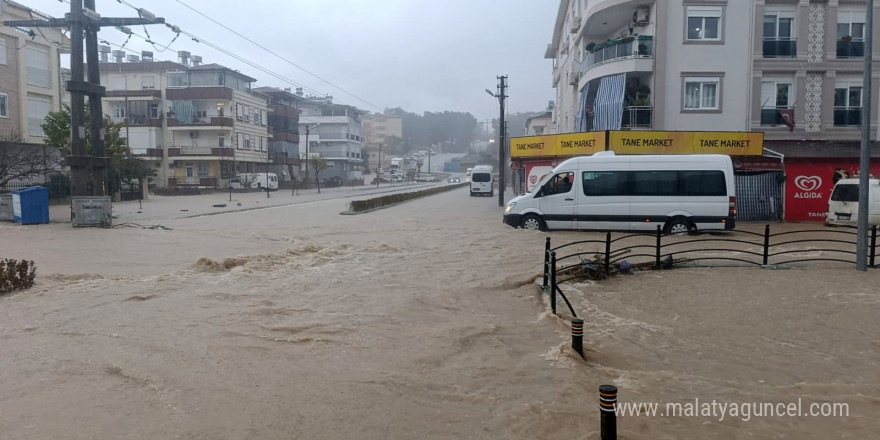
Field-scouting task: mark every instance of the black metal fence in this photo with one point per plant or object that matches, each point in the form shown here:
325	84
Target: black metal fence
58	186
660	250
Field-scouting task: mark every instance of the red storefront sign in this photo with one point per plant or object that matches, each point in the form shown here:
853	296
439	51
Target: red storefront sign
535	170
809	183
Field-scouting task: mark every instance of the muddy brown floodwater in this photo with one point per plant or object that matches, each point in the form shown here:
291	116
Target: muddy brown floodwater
418	321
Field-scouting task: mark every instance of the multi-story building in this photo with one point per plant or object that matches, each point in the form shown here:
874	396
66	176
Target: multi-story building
539	125
334	132
663	65
283	131
791	69
377	128
200	124
30	72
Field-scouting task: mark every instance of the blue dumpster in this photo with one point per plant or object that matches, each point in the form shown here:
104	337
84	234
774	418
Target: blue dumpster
30	206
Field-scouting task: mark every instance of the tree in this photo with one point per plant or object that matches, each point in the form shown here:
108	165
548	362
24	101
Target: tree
318	164
366	162
123	167
19	161
394	145
57	130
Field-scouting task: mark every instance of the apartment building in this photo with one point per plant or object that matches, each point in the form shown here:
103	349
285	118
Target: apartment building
661	65
377	128
284	130
334	133
199	124
791	70
30	72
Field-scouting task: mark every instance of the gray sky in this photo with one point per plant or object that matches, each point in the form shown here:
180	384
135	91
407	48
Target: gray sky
417	54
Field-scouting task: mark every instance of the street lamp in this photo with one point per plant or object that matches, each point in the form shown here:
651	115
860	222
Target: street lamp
308	129
500	95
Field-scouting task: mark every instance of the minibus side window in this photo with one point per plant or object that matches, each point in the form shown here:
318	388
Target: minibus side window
604	183
558	184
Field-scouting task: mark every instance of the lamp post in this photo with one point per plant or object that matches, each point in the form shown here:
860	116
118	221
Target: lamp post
501	95
379	167
308	129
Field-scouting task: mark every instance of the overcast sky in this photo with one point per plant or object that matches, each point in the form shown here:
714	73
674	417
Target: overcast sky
417	54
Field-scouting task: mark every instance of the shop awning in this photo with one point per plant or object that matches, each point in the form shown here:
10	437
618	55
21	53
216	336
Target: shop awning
581	118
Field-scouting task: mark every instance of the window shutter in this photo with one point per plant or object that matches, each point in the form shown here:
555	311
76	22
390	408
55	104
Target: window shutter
263	117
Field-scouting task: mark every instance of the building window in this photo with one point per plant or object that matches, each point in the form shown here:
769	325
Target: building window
775	96
847	105
118	112
4	105
850	34
779	41
2	50
203	170
702	94
153	110
148	82
38	109
221	141
704	23
38	70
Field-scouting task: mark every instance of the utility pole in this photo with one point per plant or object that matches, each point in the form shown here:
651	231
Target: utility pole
502	134
85	168
865	154
379	167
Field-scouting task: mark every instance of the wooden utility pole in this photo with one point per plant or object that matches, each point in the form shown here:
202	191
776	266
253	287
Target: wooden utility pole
88	172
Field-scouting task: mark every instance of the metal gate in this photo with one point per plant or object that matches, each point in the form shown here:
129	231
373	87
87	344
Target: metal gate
758	196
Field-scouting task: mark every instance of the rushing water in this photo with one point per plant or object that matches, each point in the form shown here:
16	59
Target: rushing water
415	321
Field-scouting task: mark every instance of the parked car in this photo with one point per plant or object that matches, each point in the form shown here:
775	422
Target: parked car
430	178
843	208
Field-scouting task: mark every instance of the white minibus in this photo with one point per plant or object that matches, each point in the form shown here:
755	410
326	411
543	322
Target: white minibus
681	193
481	181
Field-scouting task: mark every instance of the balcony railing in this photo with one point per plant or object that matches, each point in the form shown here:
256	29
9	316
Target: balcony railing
771	116
637	116
205	121
780	48
643	47
850	49
847	116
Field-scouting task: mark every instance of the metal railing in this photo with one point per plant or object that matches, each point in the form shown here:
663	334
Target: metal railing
780	47
850	49
638	48
847	116
771	116
661	251
635	116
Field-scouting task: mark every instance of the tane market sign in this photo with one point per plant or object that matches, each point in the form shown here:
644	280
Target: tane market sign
638	142
574	144
686	142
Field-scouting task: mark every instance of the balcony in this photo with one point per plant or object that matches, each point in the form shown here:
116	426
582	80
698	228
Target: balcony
637	116
197	151
780	48
206	121
613	50
847	116
772	117
850	49
140	121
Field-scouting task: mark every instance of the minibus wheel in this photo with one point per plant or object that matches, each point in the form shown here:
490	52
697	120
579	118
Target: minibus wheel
679	225
532	222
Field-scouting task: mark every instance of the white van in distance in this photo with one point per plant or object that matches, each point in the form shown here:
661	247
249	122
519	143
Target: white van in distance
843	208
608	192
255	180
481	181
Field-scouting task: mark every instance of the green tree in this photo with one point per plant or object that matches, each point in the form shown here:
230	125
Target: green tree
123	167
318	164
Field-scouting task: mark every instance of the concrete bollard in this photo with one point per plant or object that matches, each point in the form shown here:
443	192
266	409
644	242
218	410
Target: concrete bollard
607	406
577	335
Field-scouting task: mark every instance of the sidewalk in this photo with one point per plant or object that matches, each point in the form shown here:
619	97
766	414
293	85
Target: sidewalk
163	208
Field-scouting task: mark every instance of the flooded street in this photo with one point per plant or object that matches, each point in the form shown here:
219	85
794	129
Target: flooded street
420	320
